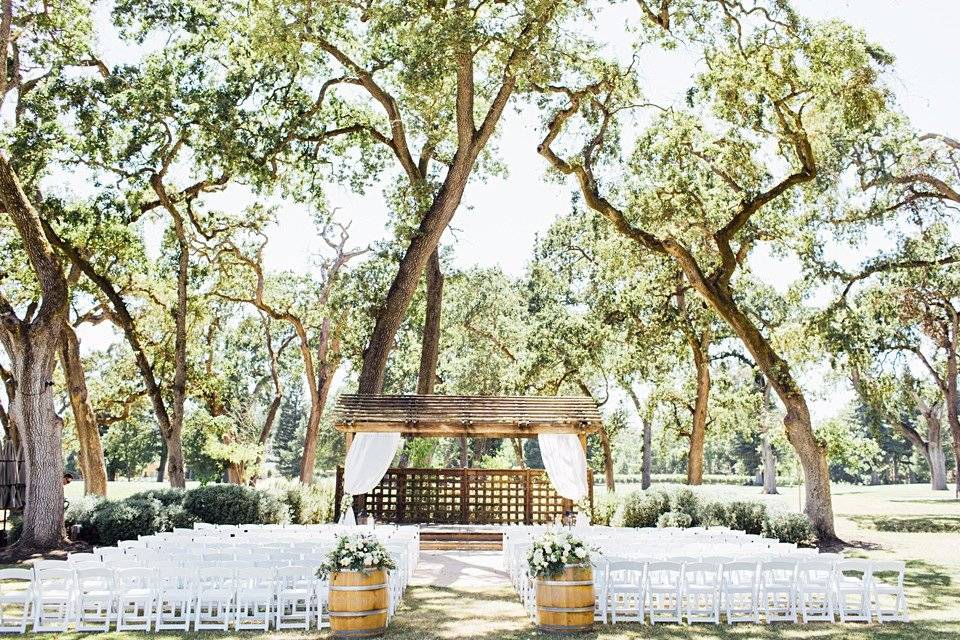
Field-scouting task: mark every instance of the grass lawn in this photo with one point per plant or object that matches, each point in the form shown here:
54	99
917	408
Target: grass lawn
933	581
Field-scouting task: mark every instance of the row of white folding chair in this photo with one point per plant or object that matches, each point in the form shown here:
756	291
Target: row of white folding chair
136	598
851	589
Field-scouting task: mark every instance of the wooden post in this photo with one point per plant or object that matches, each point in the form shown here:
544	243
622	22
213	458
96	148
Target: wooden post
465	496
401	496
527	496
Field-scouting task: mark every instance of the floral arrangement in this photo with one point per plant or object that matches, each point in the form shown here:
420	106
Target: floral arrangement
555	550
356	552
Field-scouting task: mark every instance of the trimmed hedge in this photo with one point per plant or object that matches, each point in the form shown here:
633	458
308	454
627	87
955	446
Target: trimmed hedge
105	522
684	508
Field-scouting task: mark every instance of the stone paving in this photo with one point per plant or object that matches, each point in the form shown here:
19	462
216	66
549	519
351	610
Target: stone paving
468	570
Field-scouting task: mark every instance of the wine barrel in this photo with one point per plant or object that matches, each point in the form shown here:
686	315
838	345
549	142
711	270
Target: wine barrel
358	604
565	601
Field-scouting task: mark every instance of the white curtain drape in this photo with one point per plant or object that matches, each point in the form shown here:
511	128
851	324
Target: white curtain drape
367	460
566	464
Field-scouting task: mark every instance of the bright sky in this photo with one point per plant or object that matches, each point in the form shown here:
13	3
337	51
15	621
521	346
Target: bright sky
499	219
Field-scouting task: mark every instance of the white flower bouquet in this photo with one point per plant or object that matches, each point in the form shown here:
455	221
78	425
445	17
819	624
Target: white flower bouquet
356	552
555	550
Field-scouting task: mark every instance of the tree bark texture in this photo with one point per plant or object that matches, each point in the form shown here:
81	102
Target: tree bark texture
319	382
430	347
699	347
92	464
32	344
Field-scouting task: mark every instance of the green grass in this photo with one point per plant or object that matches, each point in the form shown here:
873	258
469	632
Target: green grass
933	582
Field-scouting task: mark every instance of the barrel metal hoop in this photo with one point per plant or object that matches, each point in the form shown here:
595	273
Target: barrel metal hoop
566	609
371	587
566	583
359	633
356	614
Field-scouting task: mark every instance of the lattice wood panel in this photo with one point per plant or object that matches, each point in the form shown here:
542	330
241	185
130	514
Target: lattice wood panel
463	496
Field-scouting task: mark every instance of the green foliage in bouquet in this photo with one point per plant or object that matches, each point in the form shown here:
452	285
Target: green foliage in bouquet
553	551
356	552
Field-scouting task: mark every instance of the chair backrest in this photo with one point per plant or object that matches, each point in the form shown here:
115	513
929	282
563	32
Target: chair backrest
626	571
215	577
75	558
294	576
664	573
135	578
717	559
828	557
94	579
255	577
16	581
778	572
682	559
740	573
176	578
852	569
51	564
815	571
888	571
54	579
701	572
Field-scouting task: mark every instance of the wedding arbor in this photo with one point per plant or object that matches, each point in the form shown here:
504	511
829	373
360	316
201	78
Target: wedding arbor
374	425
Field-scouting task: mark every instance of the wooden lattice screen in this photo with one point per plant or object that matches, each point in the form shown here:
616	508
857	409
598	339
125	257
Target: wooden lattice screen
464	496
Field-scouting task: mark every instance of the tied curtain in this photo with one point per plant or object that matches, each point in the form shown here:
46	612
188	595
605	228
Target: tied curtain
367	461
566	464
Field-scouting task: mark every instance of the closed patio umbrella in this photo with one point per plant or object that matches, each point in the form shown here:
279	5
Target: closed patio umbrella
9	475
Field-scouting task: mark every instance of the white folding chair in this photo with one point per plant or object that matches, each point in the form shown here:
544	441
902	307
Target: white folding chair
255	597
701	592
136	591
54	597
815	586
95	597
625	591
601	592
664	587
214	598
295	592
884	587
853	590
778	588
16	599
739	591
175	593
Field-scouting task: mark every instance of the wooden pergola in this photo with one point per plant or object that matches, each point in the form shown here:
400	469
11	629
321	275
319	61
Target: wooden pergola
466	496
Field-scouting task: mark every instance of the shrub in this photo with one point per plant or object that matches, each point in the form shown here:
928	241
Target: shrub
126	519
605	508
642	509
166	496
222	504
674	519
789	527
746	515
80	511
233	504
684	500
174	516
305	504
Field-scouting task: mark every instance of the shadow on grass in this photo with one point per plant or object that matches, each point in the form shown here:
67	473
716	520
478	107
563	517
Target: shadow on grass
945	500
910	524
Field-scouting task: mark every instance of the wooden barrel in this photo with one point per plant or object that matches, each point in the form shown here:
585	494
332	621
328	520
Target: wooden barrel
358	604
565	602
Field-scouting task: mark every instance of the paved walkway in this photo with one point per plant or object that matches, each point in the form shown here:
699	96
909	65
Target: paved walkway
469	570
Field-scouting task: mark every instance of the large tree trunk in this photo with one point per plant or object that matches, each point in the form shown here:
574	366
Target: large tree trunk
769	466
91	449
953	397
932	448
647	453
319	386
464	453
120	315
423	244
797	422
607	460
938	465
32	345
430	347
175	463
698	431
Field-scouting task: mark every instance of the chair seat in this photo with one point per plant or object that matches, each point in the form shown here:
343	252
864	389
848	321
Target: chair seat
54	594
255	594
215	594
136	593
296	593
105	593
175	593
15	598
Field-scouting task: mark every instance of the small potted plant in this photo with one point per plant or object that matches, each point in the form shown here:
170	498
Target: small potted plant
560	563
358	570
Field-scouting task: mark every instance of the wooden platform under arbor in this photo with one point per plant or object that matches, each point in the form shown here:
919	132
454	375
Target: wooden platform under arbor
469	416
